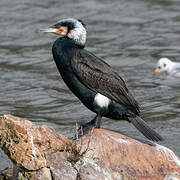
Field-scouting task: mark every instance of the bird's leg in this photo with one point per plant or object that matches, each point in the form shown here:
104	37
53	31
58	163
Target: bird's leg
94	123
98	121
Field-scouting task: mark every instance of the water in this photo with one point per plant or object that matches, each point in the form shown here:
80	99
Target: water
129	35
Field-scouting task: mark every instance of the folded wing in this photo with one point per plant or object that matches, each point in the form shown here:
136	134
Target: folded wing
99	77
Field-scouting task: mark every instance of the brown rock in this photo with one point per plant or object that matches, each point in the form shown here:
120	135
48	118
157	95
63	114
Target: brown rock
27	144
122	157
101	154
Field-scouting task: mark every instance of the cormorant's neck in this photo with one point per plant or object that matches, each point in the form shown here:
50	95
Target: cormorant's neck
69	43
63	49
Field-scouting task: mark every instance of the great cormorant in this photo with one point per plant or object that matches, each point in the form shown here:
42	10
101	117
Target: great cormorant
92	80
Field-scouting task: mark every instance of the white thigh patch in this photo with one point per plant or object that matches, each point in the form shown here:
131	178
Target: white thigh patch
101	100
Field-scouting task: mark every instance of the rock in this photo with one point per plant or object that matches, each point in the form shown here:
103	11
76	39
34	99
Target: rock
120	157
40	153
28	146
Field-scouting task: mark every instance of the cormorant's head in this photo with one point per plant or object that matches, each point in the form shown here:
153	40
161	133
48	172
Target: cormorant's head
163	65
71	28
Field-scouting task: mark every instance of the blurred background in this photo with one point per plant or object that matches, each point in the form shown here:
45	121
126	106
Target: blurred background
129	35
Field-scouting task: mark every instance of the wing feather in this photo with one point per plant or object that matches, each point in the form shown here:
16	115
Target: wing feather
99	77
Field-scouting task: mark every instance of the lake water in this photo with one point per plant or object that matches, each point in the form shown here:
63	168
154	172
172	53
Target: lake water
129	35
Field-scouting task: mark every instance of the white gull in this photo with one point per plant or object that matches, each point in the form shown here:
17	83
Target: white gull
167	66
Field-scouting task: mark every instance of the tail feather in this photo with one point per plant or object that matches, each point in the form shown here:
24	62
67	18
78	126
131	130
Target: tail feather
142	126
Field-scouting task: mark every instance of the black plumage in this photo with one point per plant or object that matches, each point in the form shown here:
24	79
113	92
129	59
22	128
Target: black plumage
92	80
99	77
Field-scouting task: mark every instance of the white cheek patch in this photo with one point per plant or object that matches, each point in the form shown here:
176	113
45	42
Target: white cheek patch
78	33
101	100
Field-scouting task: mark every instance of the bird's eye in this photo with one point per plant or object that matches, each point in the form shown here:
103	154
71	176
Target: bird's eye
159	67
164	65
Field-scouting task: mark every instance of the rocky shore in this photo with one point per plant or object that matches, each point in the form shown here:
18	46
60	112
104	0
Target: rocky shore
39	153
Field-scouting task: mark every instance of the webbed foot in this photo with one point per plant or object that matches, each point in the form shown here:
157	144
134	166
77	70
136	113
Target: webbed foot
86	127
